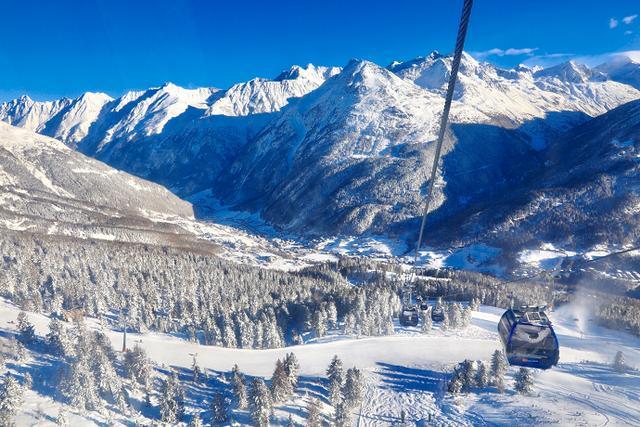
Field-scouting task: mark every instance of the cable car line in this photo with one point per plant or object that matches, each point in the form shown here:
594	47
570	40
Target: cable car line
409	314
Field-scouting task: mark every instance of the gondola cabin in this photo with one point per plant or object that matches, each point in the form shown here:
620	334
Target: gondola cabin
409	316
528	338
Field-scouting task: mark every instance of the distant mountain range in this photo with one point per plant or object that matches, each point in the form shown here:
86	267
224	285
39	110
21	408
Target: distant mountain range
321	150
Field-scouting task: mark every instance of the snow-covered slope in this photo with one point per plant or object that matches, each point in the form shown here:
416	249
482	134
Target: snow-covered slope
48	188
406	371
585	195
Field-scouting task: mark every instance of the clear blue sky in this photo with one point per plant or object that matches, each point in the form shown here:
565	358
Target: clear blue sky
63	47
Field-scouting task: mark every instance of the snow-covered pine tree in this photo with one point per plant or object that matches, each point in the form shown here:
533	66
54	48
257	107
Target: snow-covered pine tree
332	315
335	373
57	339
468	373
319	323
281	388
239	387
26	331
349	327
195	369
219	409
353	389
11	399
196	421
108	383
426	323
445	325
455	315
342	416
466	316
454	386
314	418
619	364
523	381
172	400
482	375
260	402
291	367
138	367
499	368
78	384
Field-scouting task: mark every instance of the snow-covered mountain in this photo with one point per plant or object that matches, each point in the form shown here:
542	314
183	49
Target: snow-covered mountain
521	97
353	155
328	150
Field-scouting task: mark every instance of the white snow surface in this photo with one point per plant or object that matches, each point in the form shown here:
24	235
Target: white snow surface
408	371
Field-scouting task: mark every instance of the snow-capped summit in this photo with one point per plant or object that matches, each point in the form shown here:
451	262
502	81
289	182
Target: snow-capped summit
571	72
33	115
71	124
265	96
624	68
311	72
515	97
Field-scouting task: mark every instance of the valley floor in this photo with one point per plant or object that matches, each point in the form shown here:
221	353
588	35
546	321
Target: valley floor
407	371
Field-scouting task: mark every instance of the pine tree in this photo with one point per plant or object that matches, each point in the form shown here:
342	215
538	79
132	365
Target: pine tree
332	315
79	384
26	331
108	382
482	376
57	338
239	387
619	363
172	400
219	409
523	381
195	368
260	404
11	399
426	323
335	374
456	382
353	389
343	416
138	367
196	421
281	388
319	323
499	368
468	372
445	324
314	419
466	317
291	367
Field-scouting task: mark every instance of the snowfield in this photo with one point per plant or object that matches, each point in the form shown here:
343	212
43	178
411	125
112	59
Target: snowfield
407	371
